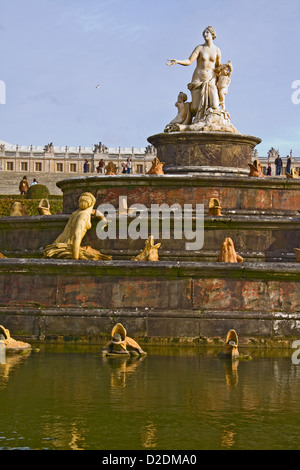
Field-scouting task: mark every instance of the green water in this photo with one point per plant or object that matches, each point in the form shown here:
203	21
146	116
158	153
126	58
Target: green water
173	399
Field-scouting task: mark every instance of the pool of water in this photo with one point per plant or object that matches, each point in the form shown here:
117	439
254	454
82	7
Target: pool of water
70	397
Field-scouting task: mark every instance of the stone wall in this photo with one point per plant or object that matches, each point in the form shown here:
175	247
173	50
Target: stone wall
185	296
255	238
239	193
82	300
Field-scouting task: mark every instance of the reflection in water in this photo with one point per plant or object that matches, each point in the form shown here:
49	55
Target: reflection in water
227	435
167	400
74	444
2	352
61	430
9	364
121	367
70	436
231	372
149	436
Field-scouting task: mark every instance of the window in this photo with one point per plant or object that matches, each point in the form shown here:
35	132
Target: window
10	166
24	166
73	167
59	167
38	166
139	168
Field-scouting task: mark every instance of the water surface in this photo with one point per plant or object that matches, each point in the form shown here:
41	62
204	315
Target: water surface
70	397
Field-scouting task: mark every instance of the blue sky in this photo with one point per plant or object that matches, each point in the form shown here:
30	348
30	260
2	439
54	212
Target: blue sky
55	52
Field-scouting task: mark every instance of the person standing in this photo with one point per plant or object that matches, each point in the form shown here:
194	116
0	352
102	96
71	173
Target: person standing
269	170
129	165
288	164
101	165
34	182
23	186
85	166
278	164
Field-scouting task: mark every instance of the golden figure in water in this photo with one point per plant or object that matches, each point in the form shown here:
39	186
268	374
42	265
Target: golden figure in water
121	344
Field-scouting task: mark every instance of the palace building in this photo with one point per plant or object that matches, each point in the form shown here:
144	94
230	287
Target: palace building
270	159
53	159
49	163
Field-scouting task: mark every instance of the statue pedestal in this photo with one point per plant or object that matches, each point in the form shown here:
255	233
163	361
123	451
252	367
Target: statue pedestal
204	152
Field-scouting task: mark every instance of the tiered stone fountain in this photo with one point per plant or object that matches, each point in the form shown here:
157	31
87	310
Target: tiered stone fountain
186	295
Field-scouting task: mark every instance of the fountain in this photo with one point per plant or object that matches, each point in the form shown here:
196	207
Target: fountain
230	349
10	345
121	345
184	295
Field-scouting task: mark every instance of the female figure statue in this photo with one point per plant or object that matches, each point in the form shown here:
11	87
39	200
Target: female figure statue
203	86
208	88
68	244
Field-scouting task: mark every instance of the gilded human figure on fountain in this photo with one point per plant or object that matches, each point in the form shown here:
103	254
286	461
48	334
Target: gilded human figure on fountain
207	87
68	243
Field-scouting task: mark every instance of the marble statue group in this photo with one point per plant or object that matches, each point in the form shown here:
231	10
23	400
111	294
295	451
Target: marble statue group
209	85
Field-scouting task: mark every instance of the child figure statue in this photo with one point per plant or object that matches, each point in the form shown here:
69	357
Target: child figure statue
184	114
224	73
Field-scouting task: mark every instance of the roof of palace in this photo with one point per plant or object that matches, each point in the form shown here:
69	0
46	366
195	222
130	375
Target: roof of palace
74	149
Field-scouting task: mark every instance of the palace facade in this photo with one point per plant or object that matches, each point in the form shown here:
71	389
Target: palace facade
269	159
53	159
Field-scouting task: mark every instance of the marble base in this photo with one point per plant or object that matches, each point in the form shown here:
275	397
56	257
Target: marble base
207	170
196	152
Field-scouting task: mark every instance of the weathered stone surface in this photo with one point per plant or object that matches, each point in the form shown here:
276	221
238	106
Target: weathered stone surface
234	192
184	295
189	151
82	300
256	238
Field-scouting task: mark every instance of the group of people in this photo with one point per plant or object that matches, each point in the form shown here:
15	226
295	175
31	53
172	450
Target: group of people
24	185
279	164
126	166
100	167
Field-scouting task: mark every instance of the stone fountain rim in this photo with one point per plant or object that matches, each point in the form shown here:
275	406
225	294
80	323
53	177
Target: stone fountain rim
271	270
268	182
204	137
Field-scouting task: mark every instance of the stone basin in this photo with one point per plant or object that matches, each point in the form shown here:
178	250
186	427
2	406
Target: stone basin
67	300
185	296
